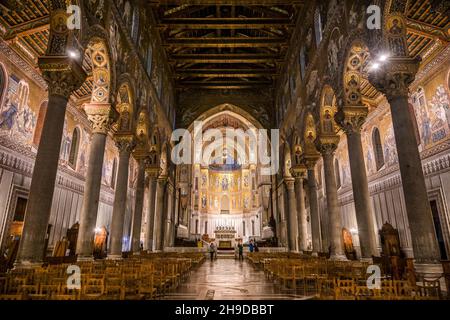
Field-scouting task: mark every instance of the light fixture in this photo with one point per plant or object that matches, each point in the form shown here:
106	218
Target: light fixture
383	57
375	66
354	231
73	54
97	230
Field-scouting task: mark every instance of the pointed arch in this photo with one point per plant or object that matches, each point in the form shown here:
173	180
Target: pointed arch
328	110
98	52
125	107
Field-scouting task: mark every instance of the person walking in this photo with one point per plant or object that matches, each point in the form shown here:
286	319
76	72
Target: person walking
250	246
241	251
212	251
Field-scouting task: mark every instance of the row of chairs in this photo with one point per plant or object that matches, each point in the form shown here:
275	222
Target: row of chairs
326	279
141	277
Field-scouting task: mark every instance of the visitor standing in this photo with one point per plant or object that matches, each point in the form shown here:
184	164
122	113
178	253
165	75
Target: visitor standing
241	251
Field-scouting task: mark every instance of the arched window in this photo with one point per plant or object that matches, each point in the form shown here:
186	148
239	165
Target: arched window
40	123
253	227
113	173
318	26
377	148
74	146
243	228
337	172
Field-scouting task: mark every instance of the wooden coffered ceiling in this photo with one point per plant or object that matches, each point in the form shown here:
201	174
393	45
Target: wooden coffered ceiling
221	44
226	44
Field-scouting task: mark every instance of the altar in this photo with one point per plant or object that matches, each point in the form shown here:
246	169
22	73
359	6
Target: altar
226	237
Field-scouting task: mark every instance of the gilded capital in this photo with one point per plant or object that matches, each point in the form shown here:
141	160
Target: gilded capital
290	184
394	78
352	118
62	74
101	116
152	171
125	143
327	144
299	171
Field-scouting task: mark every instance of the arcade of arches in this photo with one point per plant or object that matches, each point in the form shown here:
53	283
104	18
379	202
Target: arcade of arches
87	174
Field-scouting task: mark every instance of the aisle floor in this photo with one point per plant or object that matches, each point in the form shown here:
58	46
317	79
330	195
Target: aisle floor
229	279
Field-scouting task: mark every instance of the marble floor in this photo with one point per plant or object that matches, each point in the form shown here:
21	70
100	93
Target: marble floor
229	279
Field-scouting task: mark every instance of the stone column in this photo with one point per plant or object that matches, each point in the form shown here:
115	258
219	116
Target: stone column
327	146
138	208
352	119
299	172
393	79
169	216
100	116
125	145
61	83
152	173
159	212
310	163
292	214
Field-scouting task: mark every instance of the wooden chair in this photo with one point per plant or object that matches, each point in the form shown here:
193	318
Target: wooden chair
327	289
345	290
429	290
93	289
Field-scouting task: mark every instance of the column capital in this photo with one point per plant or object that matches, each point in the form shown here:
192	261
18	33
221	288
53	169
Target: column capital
62	74
153	171
299	172
125	142
352	118
162	180
310	160
395	76
101	116
327	144
290	183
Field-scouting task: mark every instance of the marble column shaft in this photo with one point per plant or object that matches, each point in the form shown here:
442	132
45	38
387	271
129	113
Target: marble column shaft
314	211
138	208
92	187
148	245
32	242
159	213
393	79
301	214
120	202
334	217
363	209
292	214
61	84
417	204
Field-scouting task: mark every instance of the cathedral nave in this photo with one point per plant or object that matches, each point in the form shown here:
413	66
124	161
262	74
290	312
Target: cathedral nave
224	150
